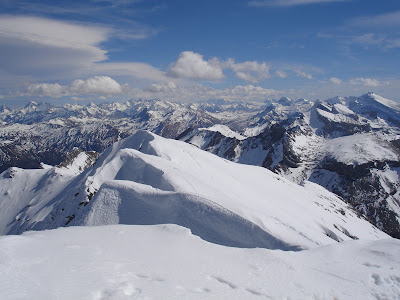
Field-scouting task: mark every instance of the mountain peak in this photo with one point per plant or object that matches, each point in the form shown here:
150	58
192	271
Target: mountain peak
371	96
31	104
285	101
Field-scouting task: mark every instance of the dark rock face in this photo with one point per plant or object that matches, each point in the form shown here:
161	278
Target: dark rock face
362	187
342	127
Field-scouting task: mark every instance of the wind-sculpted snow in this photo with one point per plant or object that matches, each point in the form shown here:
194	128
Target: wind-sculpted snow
168	262
147	179
125	202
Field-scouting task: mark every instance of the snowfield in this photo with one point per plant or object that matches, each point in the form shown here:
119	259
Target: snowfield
168	262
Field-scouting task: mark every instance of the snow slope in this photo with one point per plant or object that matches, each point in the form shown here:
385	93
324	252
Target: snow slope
360	149
147	179
168	262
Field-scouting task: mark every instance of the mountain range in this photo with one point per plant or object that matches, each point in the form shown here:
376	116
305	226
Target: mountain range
349	146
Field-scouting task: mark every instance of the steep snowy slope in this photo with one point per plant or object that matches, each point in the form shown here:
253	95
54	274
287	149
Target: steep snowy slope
147	179
26	193
168	262
350	146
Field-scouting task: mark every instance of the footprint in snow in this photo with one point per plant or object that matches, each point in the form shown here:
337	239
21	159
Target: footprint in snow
377	279
124	290
223	281
367	264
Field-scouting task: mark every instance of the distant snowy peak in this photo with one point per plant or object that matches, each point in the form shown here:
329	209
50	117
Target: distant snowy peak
389	103
224	130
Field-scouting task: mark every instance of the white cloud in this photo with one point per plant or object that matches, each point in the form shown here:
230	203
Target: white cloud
98	85
74	98
375	39
162	88
369	82
385	20
53	33
335	80
192	65
135	69
32	45
47	89
289	2
281	74
380	31
43	49
251	71
303	74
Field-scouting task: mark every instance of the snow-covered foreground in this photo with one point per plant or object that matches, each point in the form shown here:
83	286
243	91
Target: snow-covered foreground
168	262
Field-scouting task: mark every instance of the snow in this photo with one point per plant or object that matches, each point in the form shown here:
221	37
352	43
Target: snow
27	194
225	130
168	262
389	103
360	148
342	109
147	179
213	186
336	117
254	131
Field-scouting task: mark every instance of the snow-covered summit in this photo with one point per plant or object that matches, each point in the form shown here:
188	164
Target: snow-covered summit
147	179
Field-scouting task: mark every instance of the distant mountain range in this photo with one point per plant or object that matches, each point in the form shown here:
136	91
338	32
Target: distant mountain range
350	146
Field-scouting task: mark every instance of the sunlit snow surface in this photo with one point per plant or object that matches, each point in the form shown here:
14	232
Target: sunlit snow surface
168	262
147	180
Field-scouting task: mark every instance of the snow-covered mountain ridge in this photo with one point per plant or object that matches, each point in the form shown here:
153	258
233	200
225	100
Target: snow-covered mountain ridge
348	145
147	179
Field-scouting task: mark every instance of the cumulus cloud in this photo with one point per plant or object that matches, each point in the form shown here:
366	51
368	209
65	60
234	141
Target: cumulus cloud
251	71
369	82
98	85
162	88
335	80
192	65
289	2
47	89
281	74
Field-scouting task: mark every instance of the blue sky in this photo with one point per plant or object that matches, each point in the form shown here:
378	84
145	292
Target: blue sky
186	50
